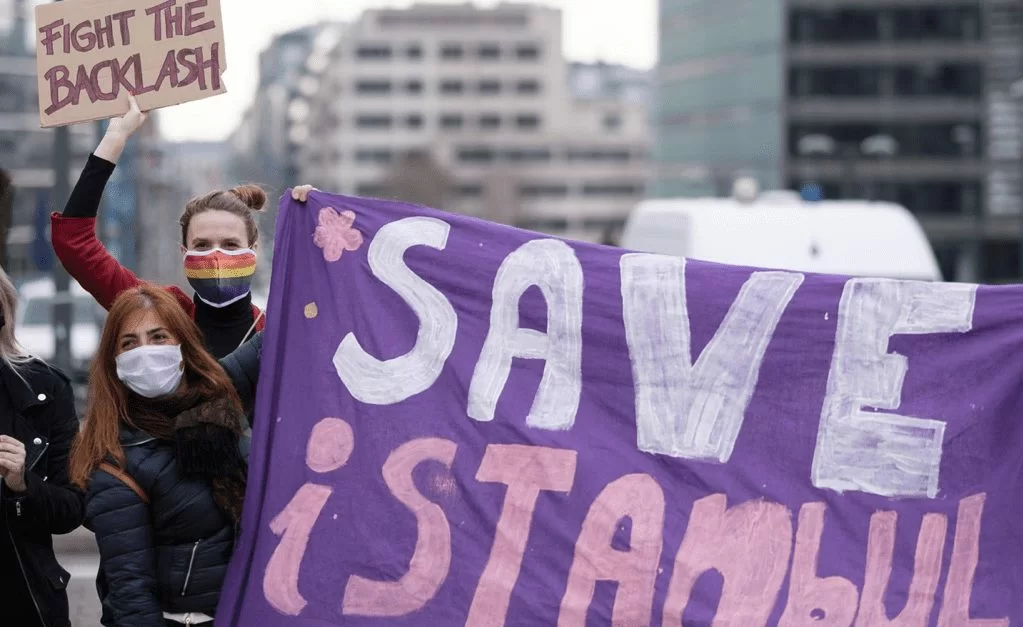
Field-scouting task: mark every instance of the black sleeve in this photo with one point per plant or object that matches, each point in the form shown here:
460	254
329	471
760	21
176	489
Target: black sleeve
85	197
54	503
127	558
242	367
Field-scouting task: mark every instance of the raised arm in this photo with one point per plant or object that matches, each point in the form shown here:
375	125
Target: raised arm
74	232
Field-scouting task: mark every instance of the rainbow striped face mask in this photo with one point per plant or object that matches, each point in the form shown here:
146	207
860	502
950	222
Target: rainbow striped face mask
220	277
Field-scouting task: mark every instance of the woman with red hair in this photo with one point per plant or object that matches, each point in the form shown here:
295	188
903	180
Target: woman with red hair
161	456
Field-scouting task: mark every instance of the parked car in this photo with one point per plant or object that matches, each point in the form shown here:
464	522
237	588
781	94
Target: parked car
35	328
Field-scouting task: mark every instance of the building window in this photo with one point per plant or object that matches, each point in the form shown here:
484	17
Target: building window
476	155
543	190
451	52
964	80
373	121
490	121
528	121
414	52
527	52
612	189
599	155
378	52
370	190
527	154
414	121
846	25
612	122
451	121
937	23
489	52
1001	261
544	225
824	81
926	140
527	87
414	86
469	190
490	87
451	87
373	87
373	155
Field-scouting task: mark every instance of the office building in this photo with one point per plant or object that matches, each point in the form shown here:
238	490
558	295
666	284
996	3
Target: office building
261	149
886	99
475	110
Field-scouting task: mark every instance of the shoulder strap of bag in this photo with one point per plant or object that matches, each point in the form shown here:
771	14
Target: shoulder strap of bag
126	479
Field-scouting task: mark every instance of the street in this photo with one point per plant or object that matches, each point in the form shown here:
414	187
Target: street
76	552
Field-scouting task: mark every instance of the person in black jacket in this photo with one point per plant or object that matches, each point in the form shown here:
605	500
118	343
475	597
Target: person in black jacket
37	425
162	457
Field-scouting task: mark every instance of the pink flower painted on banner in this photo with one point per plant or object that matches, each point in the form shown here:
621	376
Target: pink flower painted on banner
336	233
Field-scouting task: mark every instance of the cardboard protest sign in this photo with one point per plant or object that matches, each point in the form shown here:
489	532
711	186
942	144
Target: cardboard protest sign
91	53
461	423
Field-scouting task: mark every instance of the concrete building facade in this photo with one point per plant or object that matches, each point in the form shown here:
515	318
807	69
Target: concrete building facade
481	103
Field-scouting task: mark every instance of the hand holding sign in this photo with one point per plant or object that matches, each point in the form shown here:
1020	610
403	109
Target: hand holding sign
89	53
128	123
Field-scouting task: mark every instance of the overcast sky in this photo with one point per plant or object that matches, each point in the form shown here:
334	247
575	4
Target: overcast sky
620	31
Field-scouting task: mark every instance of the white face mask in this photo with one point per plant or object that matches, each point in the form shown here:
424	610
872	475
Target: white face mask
151	371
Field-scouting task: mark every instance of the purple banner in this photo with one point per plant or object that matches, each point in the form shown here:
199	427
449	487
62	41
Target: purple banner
461	423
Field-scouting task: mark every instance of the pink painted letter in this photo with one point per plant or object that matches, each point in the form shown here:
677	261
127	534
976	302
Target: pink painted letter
280	580
829	601
748	544
955	609
431	559
641	499
526	470
926	571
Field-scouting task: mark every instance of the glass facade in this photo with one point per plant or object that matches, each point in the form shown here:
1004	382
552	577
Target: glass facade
720	95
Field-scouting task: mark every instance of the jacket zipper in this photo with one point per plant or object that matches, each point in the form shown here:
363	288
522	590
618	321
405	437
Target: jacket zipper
14	545
191	562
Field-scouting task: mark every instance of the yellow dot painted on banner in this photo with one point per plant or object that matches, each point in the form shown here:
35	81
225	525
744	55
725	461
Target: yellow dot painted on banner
311	311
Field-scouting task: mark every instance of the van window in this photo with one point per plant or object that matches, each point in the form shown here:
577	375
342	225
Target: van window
85	310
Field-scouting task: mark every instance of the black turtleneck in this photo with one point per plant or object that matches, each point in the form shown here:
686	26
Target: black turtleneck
224	328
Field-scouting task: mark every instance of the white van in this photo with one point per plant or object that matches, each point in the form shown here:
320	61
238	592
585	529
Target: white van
34	323
778	230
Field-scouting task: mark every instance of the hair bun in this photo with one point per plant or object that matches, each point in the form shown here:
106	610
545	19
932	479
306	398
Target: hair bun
252	195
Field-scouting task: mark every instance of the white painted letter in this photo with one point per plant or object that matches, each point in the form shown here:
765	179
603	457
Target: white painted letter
883	453
390	381
550	265
686	410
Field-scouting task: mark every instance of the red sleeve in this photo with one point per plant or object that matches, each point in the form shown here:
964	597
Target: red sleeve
87	261
261	319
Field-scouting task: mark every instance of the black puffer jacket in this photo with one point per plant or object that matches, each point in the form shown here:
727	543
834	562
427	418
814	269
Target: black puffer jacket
172	554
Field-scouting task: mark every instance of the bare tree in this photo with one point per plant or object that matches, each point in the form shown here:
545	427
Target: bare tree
418	178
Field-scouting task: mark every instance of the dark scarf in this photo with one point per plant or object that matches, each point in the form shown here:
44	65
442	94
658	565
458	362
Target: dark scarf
205	433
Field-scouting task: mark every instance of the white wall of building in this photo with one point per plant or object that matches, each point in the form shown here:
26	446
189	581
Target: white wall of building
487	93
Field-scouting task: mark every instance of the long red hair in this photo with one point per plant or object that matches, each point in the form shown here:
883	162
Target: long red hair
107	407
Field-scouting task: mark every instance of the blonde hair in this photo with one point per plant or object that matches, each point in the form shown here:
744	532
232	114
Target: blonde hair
12	353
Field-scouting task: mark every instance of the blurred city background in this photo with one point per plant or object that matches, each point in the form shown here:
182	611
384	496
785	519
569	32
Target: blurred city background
895	119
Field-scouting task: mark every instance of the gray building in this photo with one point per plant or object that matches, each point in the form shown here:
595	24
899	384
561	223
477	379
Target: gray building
887	99
263	149
26	149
